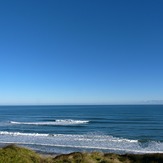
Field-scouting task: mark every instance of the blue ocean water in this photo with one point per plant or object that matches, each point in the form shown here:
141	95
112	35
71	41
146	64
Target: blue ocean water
65	129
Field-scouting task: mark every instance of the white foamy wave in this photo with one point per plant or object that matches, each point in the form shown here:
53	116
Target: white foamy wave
21	134
86	142
70	121
60	122
85	137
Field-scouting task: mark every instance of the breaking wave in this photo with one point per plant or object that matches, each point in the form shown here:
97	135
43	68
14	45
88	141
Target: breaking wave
84	142
85	137
60	122
22	134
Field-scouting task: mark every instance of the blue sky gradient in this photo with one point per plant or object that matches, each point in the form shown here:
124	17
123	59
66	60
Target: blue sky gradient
81	52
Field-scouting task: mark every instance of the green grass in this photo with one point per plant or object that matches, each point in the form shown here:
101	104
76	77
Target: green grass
15	154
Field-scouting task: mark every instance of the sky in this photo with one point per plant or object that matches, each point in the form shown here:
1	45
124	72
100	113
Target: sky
81	52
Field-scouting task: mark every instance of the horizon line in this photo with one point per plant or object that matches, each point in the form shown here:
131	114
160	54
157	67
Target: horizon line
80	104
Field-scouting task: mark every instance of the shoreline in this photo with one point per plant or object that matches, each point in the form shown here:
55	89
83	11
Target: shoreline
15	153
81	151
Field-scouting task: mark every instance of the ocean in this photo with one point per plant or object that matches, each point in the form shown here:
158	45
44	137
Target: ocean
64	129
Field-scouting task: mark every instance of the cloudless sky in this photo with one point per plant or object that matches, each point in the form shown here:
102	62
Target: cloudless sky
81	51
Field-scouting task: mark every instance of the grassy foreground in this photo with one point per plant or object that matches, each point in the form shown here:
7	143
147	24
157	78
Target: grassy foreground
15	154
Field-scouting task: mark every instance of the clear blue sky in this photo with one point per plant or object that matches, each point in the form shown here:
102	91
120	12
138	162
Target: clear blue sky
81	51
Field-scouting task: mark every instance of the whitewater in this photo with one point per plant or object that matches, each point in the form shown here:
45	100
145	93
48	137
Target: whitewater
56	122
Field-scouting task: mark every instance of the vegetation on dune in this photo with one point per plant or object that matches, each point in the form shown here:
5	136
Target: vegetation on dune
15	154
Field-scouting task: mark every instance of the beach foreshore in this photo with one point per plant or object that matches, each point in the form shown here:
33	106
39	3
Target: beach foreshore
15	154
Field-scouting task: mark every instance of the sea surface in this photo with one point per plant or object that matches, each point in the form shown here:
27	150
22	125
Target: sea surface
64	129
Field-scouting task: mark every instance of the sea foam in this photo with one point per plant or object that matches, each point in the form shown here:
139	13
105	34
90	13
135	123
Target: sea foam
60	122
84	142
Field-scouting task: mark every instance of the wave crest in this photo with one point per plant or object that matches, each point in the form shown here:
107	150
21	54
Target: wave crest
22	134
61	122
